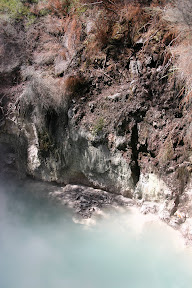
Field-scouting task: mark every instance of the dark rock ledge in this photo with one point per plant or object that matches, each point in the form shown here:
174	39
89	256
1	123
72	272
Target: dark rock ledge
86	201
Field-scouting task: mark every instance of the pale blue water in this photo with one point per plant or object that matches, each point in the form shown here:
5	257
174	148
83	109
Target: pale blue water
41	247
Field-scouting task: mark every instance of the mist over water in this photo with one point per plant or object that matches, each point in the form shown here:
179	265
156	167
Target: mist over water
41	247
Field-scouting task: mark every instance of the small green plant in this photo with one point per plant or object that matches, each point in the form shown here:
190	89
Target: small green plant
98	127
16	9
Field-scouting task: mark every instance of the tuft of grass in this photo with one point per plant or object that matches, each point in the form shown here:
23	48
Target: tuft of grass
136	17
98	127
183	61
179	16
100	36
102	33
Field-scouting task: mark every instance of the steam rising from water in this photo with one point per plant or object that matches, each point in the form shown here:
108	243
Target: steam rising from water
41	247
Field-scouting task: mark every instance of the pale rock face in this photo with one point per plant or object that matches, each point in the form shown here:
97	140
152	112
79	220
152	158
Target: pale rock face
80	158
120	142
151	188
166	209
90	26
164	215
149	207
31	133
135	67
33	159
186	229
10	56
186	201
101	167
61	65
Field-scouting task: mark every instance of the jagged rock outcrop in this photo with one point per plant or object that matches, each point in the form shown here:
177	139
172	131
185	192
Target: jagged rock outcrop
111	120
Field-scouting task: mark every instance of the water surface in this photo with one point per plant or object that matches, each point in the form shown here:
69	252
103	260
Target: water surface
41	247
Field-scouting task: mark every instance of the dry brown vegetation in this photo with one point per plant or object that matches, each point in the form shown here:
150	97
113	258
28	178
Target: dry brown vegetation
179	16
55	7
100	35
120	26
116	25
74	84
136	18
42	92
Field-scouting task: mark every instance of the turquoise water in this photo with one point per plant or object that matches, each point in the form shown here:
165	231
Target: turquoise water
41	247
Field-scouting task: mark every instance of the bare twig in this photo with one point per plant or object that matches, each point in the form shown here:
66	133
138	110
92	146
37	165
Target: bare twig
94	3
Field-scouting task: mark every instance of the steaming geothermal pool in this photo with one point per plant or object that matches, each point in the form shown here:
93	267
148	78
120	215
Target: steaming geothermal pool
41	247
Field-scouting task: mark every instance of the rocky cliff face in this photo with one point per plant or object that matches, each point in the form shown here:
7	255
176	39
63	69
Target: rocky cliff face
113	120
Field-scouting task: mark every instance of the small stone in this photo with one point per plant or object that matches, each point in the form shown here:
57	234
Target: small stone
135	67
70	113
174	223
134	89
148	60
92	107
180	217
155	57
164	215
140	41
148	208
120	143
155	124
159	69
115	97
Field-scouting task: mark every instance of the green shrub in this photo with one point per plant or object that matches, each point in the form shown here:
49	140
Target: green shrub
15	9
98	127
